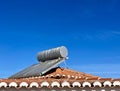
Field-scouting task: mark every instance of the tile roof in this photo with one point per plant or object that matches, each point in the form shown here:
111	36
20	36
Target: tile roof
60	77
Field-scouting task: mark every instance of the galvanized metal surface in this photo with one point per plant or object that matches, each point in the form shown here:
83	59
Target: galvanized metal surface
54	53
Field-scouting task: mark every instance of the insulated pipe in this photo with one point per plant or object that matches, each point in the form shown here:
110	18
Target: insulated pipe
54	53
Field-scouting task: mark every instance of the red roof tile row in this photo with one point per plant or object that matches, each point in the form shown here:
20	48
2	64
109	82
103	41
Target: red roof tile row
60	77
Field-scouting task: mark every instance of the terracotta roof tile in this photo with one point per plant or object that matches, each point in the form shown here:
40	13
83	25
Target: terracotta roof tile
62	77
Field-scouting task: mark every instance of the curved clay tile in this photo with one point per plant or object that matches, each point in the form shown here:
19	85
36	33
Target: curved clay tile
116	83
3	84
13	84
76	84
34	84
23	84
60	77
107	83
97	83
44	84
55	84
84	84
65	84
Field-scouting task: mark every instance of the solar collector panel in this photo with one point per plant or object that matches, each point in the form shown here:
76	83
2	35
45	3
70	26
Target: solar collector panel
38	69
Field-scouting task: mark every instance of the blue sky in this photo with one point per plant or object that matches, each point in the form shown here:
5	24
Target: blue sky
90	29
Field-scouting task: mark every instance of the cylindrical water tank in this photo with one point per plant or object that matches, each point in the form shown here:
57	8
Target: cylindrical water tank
54	53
